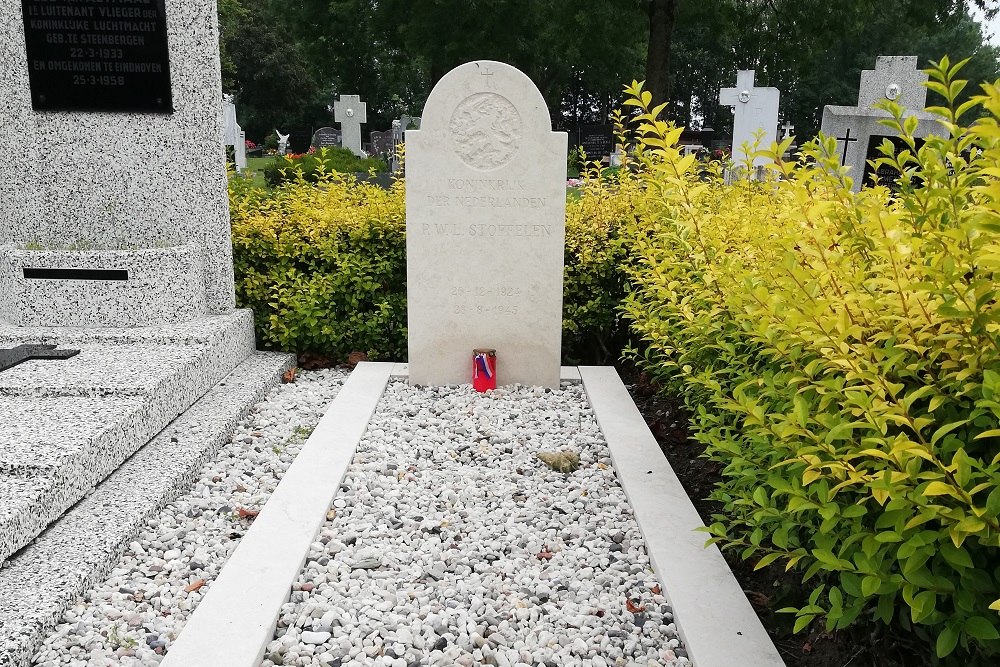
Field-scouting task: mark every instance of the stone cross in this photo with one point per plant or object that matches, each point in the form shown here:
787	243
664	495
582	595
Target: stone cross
350	112
14	356
894	78
756	110
787	129
233	134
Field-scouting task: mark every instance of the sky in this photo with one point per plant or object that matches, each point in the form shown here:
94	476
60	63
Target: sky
991	27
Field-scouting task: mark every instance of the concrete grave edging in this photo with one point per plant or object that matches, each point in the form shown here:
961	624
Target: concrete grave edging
235	622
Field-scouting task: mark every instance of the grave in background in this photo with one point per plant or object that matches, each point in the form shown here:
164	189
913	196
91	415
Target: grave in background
857	129
597	141
326	137
114	240
233	135
485	226
756	112
382	144
351	113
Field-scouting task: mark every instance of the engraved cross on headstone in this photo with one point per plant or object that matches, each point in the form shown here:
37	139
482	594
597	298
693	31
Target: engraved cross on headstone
14	356
756	111
350	112
488	80
847	139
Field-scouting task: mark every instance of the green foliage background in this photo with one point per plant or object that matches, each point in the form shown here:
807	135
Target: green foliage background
840	355
323	266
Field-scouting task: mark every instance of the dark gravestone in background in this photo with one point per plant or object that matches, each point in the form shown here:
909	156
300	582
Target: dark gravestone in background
97	55
299	139
703	137
597	141
887	176
327	137
382	143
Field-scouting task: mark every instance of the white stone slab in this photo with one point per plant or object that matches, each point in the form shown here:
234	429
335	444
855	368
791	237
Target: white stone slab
717	623
234	622
756	111
485	227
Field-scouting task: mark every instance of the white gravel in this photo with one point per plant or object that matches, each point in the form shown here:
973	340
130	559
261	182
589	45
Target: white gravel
132	617
450	543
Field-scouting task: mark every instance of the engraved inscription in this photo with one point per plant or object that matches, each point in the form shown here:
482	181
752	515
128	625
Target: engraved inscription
485	130
481	229
486	193
488	299
97	55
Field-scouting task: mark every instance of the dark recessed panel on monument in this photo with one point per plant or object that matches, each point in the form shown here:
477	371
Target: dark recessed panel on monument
887	175
97	55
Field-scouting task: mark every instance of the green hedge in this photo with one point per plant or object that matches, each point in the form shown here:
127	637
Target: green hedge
323	266
312	166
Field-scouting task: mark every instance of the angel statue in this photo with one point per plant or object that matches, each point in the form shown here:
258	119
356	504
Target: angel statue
282	141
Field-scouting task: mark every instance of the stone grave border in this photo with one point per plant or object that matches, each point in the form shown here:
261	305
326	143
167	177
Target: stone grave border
236	619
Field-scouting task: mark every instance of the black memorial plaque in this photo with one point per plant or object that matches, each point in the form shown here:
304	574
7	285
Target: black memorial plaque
97	55
597	141
887	175
327	137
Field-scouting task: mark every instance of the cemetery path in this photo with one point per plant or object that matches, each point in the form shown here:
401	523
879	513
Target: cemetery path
131	617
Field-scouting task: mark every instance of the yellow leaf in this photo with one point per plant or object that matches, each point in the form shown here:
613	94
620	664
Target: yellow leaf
939	489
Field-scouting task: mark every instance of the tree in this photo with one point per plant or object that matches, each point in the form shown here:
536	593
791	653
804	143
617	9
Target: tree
392	52
812	50
269	76
662	16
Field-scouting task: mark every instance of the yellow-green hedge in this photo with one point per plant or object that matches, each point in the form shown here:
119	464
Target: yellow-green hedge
841	356
323	266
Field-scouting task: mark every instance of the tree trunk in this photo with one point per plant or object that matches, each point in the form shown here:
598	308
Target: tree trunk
662	14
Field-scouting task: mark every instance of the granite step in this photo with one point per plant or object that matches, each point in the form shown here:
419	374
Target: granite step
65	425
42	580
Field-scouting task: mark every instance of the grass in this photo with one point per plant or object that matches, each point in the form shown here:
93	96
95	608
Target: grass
255	165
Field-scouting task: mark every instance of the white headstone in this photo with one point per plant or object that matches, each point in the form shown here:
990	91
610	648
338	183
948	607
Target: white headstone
485	229
232	133
240	151
351	113
857	129
756	111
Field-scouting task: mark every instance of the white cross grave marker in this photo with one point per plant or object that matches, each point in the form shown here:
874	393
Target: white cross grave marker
787	129
756	110
350	112
233	135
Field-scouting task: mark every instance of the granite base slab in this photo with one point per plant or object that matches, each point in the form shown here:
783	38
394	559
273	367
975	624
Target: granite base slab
43	579
67	424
